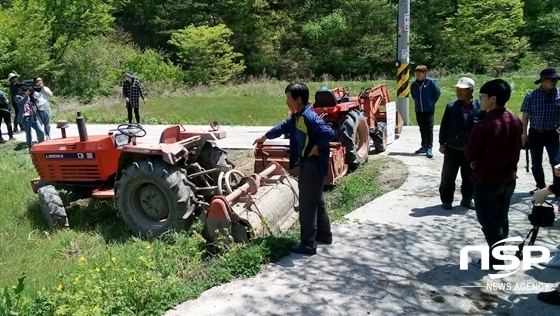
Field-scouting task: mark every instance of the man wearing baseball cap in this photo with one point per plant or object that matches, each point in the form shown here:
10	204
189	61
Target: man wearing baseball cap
13	79
458	120
541	114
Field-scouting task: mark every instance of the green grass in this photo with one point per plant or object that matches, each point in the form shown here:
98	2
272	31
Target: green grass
256	103
97	268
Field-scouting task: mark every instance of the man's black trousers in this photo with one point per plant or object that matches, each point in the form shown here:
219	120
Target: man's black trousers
6	118
453	160
537	142
492	208
313	216
426	124
129	109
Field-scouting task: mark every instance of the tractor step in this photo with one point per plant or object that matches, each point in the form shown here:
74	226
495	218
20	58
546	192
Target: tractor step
103	193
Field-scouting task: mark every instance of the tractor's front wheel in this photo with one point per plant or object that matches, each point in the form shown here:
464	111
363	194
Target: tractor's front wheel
153	197
354	135
379	137
52	207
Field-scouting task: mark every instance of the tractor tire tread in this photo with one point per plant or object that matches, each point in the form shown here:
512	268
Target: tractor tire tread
52	207
348	127
378	137
172	181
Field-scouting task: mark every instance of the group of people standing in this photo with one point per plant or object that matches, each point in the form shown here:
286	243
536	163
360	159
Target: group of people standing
29	100
483	140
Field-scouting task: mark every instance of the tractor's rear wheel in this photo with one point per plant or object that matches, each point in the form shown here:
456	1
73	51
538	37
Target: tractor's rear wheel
379	137
52	207
154	197
354	135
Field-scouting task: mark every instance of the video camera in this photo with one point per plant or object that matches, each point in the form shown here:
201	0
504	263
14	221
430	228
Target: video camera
28	85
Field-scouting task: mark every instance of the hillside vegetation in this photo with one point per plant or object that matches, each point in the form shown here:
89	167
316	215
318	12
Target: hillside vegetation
83	47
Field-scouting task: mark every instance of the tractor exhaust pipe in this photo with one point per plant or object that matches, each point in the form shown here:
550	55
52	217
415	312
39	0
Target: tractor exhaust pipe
81	122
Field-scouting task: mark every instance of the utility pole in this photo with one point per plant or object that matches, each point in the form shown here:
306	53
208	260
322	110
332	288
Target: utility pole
403	59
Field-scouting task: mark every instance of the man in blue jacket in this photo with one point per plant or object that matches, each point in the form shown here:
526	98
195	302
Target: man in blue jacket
458	120
425	93
309	148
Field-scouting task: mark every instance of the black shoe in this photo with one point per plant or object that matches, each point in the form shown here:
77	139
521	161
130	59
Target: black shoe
447	206
468	204
301	248
324	240
552	297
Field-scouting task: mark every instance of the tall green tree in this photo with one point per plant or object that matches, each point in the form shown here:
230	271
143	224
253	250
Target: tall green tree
353	40
206	54
23	47
427	20
484	36
70	20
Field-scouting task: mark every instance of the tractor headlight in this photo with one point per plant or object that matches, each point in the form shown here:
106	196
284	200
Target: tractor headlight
121	140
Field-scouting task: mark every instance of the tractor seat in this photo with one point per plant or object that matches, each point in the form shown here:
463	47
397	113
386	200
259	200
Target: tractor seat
325	99
170	135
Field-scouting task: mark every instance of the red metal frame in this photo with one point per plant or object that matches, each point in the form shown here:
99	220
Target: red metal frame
68	160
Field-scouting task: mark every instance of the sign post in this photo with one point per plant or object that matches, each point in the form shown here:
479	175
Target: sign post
403	59
391	111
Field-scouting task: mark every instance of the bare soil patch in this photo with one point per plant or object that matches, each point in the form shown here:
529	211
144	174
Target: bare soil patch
392	175
242	159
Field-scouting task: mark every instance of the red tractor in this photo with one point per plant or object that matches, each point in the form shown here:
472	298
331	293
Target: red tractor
163	186
356	121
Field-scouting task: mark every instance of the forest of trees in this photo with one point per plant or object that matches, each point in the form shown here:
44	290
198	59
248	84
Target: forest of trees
83	47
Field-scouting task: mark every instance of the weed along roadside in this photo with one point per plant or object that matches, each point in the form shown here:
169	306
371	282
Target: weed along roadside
97	268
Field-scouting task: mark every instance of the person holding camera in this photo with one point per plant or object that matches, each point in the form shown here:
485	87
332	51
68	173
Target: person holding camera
27	116
5	115
43	105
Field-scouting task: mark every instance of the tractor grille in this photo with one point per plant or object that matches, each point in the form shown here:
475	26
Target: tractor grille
74	172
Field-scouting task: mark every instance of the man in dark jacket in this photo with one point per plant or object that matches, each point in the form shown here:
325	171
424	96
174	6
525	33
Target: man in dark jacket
309	143
493	151
5	116
14	89
425	93
458	120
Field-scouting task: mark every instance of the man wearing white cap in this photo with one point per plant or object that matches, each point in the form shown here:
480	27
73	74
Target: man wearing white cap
458	120
13	78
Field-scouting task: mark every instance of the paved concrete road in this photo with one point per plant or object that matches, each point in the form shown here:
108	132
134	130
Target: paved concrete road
238	137
399	254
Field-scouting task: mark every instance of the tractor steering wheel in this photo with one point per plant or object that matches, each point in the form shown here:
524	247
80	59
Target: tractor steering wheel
132	130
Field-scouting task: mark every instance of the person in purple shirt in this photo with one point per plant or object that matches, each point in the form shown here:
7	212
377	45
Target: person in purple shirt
493	151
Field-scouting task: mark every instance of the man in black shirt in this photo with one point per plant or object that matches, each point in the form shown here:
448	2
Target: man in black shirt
13	78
